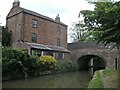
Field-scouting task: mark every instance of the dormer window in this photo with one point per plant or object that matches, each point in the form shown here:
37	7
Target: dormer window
34	23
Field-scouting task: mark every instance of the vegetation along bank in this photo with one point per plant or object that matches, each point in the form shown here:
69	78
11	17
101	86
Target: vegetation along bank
19	64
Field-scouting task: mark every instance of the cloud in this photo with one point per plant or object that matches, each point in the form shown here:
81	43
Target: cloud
68	9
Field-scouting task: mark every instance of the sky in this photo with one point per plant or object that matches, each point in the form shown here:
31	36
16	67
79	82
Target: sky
68	10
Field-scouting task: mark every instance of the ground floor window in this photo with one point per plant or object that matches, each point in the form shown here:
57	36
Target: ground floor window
41	52
60	55
48	53
36	52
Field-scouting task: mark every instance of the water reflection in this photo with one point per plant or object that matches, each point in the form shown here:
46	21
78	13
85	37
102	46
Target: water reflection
79	79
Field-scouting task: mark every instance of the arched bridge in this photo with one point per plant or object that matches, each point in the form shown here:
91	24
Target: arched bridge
84	52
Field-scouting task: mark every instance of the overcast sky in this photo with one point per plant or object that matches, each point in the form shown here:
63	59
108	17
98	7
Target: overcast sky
67	9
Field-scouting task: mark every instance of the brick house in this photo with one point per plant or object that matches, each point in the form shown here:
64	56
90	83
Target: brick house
36	33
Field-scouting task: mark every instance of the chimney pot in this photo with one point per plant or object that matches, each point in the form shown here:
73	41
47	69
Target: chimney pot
16	3
57	18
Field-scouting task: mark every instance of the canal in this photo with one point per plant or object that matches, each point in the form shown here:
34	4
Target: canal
78	79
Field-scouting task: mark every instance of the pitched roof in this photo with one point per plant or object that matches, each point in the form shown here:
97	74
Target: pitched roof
37	14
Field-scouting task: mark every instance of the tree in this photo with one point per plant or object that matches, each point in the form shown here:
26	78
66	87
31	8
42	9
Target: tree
5	36
104	22
78	32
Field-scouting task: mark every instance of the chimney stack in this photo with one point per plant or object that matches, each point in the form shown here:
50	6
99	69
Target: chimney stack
57	18
16	3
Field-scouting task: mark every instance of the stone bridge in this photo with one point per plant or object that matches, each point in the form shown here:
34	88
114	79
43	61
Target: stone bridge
84	52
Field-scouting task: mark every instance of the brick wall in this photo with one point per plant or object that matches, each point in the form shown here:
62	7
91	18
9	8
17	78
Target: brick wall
14	24
20	23
46	31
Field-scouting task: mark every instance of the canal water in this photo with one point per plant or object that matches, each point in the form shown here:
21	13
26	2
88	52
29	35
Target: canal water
78	79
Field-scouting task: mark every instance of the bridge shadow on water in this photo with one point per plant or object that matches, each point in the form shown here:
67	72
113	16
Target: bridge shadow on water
94	62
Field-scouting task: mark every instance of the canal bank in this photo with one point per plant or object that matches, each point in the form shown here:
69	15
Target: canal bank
107	78
18	64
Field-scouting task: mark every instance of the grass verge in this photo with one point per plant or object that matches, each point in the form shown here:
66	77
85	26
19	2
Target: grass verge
96	82
107	78
110	77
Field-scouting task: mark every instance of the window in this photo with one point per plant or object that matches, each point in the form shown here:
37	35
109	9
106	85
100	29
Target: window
34	37
60	55
58	30
36	52
48	53
34	23
58	41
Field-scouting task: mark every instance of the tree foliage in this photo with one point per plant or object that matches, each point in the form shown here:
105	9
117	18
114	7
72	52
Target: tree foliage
5	36
78	32
104	22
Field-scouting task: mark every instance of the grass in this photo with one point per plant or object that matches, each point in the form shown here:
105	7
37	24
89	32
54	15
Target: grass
96	82
111	76
105	79
108	72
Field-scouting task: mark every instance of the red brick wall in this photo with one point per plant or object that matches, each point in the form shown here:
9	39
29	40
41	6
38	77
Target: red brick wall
15	25
21	26
46	31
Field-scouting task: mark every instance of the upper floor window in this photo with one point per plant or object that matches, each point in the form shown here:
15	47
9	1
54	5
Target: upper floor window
58	41
34	23
58	30
34	37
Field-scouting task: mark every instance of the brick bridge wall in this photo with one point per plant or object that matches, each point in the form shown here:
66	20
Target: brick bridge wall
105	53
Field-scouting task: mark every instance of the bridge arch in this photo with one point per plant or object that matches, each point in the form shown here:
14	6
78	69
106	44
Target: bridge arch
99	62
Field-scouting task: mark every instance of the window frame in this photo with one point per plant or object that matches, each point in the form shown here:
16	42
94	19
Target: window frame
34	23
58	30
58	42
34	37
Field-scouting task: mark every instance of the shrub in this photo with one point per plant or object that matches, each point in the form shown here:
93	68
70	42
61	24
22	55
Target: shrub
11	60
47	62
18	62
66	65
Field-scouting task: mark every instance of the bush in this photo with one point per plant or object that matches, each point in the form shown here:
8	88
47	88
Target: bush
18	62
66	65
11	60
47	62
